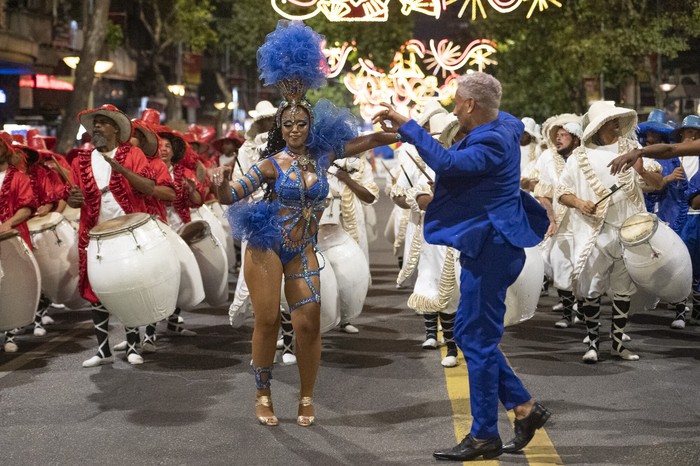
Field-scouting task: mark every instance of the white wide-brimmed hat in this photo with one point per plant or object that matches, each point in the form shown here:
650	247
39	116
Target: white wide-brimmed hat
600	112
569	121
263	109
431	108
86	117
531	127
439	122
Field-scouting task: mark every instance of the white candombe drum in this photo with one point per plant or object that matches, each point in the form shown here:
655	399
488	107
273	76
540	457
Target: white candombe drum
72	215
132	269
191	290
218	230
349	266
330	309
211	258
20	282
522	296
55	242
656	257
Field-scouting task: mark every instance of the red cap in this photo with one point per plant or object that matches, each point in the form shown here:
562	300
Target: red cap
232	136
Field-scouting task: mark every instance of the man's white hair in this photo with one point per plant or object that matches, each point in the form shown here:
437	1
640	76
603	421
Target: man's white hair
482	87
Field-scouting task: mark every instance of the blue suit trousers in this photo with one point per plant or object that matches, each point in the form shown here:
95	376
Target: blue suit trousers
478	330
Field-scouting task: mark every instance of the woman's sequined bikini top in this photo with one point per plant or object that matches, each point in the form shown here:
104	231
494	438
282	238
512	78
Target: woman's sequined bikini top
302	204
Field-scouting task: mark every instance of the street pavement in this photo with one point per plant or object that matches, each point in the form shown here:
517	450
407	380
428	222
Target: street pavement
380	399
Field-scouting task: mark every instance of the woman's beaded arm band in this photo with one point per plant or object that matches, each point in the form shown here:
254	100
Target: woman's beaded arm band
254	184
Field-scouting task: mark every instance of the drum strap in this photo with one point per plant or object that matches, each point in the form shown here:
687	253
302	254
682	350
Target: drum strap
104	190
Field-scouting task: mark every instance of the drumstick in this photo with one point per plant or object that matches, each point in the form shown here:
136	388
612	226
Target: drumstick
430	180
613	189
59	169
393	180
239	166
406	175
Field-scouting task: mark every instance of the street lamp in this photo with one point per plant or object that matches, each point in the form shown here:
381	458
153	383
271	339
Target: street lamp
101	67
667	86
177	90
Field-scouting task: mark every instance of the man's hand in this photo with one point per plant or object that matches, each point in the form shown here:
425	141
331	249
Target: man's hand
625	161
342	175
587	208
75	198
389	119
551	230
677	174
4	227
116	166
44	210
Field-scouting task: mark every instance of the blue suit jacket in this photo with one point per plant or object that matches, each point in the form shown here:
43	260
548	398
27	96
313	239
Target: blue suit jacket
477	188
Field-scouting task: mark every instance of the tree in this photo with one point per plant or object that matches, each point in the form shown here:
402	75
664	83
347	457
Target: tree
543	60
84	73
169	25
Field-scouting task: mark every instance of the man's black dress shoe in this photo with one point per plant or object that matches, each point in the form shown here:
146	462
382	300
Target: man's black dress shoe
470	448
525	428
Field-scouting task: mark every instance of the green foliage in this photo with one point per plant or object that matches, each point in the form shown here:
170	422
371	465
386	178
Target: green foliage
190	23
542	60
114	36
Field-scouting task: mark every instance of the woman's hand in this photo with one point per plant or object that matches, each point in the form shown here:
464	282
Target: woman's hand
625	161
220	174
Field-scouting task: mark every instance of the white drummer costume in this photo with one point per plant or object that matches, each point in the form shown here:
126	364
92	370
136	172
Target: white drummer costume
560	248
436	291
598	264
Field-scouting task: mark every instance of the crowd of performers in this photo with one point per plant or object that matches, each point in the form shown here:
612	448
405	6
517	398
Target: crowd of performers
301	186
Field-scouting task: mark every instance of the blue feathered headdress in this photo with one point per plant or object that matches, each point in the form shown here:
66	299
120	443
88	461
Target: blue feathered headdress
332	128
292	59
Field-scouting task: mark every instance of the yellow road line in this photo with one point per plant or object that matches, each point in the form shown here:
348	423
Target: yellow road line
540	450
25	358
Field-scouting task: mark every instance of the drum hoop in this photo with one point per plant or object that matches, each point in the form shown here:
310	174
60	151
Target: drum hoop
129	229
9	234
643	240
46	228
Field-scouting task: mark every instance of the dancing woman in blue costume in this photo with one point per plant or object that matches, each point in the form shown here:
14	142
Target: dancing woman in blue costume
281	229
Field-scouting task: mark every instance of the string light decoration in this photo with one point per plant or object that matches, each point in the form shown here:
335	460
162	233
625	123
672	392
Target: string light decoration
378	10
407	81
337	10
337	56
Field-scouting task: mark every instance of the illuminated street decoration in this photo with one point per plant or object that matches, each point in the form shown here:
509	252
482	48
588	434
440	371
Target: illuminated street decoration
409	80
378	10
337	10
337	56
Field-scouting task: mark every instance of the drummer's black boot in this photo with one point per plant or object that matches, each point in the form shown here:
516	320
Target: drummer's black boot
591	314
100	318
679	319
42	307
430	321
176	327
132	340
620	313
695	316
448	324
288	356
10	346
148	345
567	314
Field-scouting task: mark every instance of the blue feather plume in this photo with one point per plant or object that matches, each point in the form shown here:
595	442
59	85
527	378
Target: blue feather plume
256	222
293	51
332	128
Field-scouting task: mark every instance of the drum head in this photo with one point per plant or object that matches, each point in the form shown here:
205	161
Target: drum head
119	225
46	222
638	228
8	235
194	231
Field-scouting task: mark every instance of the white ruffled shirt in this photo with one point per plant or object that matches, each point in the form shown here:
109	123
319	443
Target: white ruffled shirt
102	171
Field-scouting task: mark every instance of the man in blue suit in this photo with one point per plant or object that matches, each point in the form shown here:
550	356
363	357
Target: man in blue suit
479	209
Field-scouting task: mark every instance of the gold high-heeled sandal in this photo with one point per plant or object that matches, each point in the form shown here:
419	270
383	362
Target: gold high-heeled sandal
266	401
306	421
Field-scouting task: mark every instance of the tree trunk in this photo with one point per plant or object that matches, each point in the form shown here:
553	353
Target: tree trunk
84	74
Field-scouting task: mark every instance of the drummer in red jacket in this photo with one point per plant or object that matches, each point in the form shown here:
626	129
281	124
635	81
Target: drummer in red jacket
16	206
110	181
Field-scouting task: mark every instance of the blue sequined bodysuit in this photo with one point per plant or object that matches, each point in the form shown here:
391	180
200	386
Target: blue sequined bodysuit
299	208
